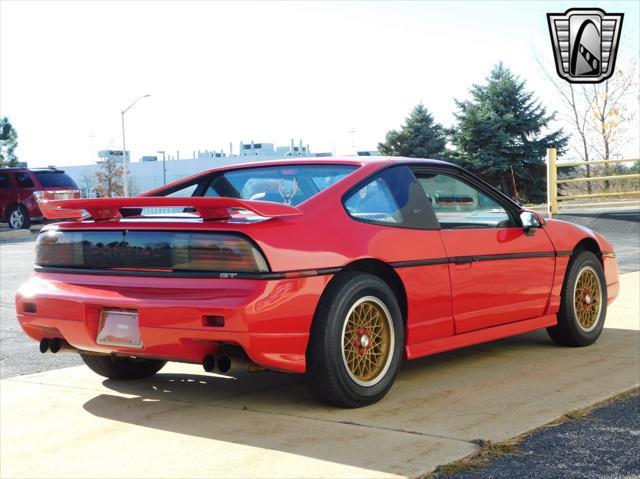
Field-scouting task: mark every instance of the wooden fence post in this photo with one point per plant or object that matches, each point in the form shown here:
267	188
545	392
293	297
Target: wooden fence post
552	182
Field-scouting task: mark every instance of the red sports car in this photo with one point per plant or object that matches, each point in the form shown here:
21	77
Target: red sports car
335	268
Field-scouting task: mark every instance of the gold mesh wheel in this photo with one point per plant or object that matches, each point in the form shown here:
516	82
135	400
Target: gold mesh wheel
368	341
587	299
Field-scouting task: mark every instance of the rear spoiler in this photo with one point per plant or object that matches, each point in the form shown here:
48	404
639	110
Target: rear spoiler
206	208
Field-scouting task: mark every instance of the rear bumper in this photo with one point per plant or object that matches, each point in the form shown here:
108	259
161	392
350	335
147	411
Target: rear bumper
270	319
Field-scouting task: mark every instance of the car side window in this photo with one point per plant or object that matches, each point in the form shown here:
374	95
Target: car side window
185	192
393	197
4	180
24	180
458	204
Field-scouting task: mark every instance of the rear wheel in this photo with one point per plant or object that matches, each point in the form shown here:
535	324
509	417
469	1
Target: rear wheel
18	217
584	302
356	343
114	367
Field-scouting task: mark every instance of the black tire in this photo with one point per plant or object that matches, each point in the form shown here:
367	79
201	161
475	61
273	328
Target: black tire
329	378
570	330
114	367
18	217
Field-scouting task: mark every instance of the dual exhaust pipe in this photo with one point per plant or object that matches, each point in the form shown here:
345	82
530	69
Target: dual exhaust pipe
56	345
229	363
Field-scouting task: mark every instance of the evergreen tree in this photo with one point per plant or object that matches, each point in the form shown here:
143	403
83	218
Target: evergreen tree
419	137
8	143
502	134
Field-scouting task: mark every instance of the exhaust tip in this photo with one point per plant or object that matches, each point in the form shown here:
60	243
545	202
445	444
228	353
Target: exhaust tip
224	363
209	363
55	344
44	345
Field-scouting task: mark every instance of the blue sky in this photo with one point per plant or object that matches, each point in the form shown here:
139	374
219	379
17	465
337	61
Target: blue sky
221	72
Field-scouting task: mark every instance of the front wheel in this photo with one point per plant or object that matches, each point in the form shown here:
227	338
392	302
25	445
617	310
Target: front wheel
114	367
583	306
356	342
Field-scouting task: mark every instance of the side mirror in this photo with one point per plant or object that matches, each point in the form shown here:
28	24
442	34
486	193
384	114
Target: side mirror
529	220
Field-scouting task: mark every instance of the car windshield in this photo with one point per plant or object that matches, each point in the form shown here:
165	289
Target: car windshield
55	178
290	184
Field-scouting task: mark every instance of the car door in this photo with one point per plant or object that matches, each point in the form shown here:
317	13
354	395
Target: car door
404	233
26	186
5	194
499	273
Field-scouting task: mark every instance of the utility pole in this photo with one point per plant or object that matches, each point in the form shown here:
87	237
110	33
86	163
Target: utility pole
164	169
125	183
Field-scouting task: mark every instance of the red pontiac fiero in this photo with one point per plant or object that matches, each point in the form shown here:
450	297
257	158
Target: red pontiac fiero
335	268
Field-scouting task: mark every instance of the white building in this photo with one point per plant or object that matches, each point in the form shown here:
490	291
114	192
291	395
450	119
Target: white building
154	171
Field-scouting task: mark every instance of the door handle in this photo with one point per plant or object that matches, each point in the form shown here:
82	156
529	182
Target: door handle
462	259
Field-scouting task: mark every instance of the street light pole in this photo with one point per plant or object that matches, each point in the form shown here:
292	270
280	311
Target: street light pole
164	169
124	147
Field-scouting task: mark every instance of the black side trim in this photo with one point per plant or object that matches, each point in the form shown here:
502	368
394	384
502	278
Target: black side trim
491	257
324	271
182	274
470	259
318	272
170	274
419	262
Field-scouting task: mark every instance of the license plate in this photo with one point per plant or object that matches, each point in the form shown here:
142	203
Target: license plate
119	328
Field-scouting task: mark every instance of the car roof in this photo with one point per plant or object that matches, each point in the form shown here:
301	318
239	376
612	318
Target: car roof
381	161
333	160
35	170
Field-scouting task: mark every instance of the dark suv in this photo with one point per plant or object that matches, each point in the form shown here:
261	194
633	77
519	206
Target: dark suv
22	188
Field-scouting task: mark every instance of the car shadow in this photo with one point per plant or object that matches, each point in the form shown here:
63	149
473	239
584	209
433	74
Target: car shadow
237	409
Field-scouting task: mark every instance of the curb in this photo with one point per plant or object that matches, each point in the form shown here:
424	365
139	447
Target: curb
9	234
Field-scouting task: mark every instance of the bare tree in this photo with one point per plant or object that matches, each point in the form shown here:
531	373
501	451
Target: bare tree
133	185
575	114
611	114
89	182
598	115
109	178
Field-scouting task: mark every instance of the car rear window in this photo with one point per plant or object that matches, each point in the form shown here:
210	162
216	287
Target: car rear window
290	184
55	178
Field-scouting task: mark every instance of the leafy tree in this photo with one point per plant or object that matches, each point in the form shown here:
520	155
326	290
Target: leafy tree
502	134
419	137
109	178
8	143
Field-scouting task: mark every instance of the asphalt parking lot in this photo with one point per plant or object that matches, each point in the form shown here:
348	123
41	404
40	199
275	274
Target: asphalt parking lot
267	424
620	226
18	353
603	444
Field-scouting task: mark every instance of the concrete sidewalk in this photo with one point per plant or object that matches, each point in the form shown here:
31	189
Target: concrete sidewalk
183	423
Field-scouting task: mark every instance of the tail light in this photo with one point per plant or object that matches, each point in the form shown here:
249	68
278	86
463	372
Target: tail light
150	250
47	195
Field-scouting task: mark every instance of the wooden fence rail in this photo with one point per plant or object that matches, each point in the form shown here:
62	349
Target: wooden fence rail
553	181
